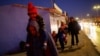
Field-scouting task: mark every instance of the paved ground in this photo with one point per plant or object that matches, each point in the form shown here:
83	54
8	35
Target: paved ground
85	48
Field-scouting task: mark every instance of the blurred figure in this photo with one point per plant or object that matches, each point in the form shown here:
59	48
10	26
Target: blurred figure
73	29
34	43
62	35
65	33
39	42
54	35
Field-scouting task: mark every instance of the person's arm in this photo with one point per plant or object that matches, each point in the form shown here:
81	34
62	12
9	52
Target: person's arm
40	22
78	26
69	28
42	30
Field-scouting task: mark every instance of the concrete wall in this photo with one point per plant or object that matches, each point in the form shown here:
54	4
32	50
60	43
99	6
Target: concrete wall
55	22
13	22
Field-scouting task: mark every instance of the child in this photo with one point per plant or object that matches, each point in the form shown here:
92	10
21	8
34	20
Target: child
54	35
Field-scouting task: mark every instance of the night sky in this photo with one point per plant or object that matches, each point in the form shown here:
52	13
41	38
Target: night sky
76	8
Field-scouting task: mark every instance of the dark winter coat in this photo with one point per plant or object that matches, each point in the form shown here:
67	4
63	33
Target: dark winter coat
73	27
37	42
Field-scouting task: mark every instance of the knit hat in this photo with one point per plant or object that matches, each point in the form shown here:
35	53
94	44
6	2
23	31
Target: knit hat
31	8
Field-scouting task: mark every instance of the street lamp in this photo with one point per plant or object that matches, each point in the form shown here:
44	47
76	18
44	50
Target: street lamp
96	7
77	18
88	14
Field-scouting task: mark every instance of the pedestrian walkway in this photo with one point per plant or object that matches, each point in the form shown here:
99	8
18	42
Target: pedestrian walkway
85	48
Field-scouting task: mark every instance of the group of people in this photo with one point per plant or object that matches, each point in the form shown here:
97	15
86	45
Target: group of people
72	28
39	42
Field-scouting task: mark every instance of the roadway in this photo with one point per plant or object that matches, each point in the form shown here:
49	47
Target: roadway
93	33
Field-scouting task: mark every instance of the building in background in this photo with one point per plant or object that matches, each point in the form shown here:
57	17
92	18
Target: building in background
13	22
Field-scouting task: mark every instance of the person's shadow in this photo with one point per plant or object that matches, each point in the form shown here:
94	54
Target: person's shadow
71	49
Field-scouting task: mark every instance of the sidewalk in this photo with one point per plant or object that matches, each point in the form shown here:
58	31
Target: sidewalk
85	48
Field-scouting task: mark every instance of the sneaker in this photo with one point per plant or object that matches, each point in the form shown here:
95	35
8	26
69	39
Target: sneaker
71	46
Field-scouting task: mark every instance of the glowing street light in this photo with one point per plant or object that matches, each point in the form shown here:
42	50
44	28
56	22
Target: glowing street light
76	18
96	7
88	14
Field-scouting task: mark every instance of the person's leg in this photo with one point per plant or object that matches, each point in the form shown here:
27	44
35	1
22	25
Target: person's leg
65	39
77	40
61	44
72	39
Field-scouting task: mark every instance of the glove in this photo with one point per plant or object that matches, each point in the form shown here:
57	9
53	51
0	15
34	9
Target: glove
45	46
27	45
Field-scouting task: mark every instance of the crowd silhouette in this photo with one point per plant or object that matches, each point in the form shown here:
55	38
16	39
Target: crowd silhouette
40	43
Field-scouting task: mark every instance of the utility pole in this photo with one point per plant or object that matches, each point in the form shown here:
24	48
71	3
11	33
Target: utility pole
52	2
96	7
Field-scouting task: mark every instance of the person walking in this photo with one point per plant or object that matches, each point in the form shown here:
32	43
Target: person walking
38	42
73	29
54	36
61	35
